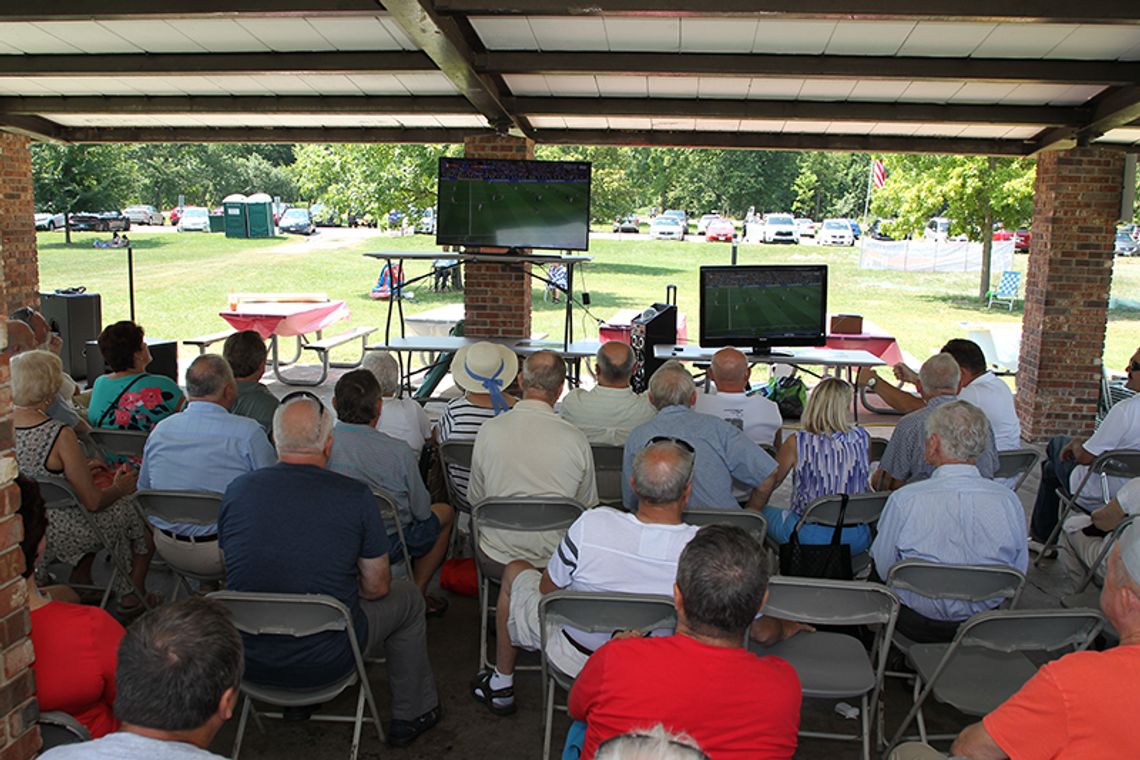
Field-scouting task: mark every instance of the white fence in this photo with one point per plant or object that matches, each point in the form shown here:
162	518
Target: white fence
929	256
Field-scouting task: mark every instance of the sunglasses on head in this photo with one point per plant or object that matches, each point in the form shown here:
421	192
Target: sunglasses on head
306	395
648	741
670	439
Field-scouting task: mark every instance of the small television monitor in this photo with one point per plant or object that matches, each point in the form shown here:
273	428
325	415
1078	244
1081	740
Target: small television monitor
764	306
514	204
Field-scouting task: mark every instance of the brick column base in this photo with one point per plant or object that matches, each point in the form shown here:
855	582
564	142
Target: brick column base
1076	205
497	296
17	230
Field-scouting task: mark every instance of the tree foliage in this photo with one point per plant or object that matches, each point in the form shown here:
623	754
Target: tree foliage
70	178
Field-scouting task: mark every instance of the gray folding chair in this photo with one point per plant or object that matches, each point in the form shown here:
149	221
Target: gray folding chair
1101	558
57	728
1017	463
1119	463
187	508
592	613
986	663
834	665
753	522
862	509
607	469
391	516
456	454
516	516
299	615
877	449
58	495
769	449
120	443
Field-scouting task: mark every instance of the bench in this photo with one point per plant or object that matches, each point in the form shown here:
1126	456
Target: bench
205	341
324	345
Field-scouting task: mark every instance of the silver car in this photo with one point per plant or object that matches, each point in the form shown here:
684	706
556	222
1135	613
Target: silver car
141	214
49	222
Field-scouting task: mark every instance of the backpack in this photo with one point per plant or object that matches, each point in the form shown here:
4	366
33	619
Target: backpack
789	393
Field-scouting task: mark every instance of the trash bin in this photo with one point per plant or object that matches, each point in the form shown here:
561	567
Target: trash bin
236	224
259	216
218	222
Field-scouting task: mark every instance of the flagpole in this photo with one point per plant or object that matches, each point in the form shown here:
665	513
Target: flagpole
870	180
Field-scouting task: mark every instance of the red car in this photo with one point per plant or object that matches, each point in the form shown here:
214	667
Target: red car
1001	235
720	229
1021	240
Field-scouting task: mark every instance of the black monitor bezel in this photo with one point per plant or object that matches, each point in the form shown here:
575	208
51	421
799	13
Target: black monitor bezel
757	343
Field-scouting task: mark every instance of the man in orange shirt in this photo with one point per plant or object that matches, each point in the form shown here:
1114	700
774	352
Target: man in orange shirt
1083	705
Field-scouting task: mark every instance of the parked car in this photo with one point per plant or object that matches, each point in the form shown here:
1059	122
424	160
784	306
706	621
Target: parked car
879	229
937	229
1022	237
50	222
100	221
666	228
1125	245
806	227
681	217
627	223
835	232
720	229
780	228
141	214
703	222
194	219
323	216
175	214
279	209
297	221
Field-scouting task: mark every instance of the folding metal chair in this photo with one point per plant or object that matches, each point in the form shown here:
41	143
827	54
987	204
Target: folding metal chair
835	665
862	509
391	516
1119	463
127	444
986	663
769	449
457	454
1101	558
592	613
299	615
58	495
753	522
516	516
57	728
877	449
1016	463
607	469
182	507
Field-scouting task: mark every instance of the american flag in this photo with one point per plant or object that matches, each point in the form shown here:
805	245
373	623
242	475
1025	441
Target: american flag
878	173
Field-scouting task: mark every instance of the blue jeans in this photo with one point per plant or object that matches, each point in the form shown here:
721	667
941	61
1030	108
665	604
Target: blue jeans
781	523
1055	473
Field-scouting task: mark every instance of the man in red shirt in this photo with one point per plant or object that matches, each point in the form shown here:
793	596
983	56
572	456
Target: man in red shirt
1084	704
701	681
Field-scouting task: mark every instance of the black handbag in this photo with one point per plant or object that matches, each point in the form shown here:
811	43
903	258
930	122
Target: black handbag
832	560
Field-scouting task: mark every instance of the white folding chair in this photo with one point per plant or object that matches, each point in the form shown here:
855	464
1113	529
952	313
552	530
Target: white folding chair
592	613
1016	463
835	665
515	516
300	616
607	470
186	508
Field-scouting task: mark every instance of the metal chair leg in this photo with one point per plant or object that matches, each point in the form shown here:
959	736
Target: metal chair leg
241	726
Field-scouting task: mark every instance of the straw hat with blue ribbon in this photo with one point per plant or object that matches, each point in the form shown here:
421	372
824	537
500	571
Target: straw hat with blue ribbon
486	368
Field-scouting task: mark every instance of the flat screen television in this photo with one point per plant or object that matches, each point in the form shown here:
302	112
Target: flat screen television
762	307
514	204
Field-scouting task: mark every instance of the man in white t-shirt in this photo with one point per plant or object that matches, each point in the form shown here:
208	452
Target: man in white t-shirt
758	417
986	391
1081	548
401	418
608	411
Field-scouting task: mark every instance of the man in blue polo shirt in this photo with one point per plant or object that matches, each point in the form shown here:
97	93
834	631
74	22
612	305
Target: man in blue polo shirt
297	527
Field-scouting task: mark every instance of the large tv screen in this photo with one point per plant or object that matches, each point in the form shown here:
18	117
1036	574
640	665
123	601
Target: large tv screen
514	204
763	306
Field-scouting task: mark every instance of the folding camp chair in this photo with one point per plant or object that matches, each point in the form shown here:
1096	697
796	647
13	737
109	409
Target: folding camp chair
516	516
862	509
1008	287
391	517
1119	463
57	728
835	665
1016	463
592	613
607	468
986	663
186	508
123	444
58	495
299	615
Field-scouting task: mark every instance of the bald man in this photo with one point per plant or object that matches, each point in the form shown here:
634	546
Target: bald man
756	416
608	411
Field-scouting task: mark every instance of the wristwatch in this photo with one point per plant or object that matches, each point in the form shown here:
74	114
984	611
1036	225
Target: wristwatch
871	383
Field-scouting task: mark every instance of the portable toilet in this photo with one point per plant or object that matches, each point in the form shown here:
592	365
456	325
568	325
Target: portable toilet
259	216
234	207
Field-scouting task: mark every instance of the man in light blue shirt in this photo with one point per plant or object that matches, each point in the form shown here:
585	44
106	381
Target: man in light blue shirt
723	453
202	448
956	517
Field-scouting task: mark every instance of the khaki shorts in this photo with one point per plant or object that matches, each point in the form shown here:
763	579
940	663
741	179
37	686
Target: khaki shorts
523	626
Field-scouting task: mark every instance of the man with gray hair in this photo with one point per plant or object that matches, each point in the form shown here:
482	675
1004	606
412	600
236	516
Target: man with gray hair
604	550
531	452
724	454
299	528
956	517
904	461
401	418
608	411
202	448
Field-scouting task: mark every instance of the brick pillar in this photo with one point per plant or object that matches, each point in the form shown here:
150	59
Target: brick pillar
19	737
17	230
497	296
1075	208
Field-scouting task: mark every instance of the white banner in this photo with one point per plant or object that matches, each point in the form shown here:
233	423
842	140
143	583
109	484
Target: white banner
929	256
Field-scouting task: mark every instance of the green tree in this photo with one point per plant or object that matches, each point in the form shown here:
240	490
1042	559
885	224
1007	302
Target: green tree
70	178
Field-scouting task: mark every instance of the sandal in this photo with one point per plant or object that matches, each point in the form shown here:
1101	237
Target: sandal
482	691
152	600
435	606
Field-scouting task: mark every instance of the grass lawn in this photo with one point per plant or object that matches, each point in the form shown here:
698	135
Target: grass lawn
182	281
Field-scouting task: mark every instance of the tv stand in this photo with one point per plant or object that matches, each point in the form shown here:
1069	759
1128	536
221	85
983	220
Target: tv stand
760	353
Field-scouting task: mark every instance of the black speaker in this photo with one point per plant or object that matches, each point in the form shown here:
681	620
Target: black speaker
78	318
163	353
656	325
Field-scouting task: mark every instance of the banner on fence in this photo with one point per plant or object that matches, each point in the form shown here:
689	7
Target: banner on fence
931	256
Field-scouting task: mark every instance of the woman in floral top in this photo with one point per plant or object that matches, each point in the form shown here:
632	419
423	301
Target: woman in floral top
130	398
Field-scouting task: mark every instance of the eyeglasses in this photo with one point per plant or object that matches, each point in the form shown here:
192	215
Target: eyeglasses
670	439
646	741
305	395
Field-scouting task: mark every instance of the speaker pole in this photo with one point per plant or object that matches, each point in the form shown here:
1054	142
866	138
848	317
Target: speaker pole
131	278
734	252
